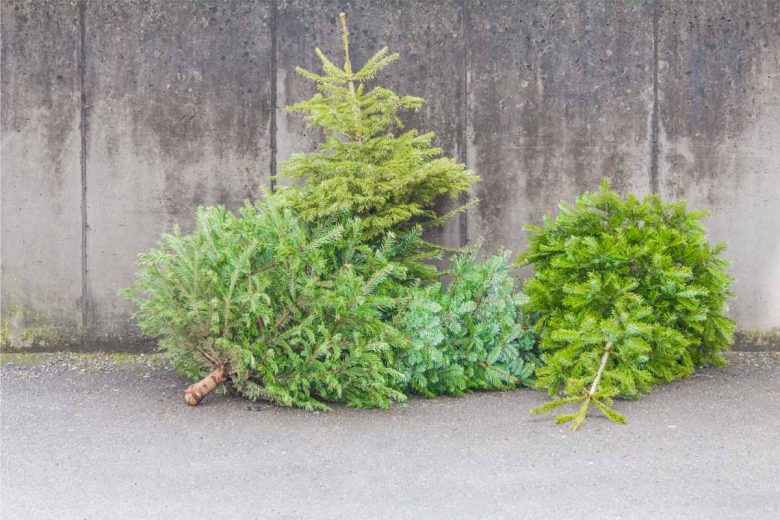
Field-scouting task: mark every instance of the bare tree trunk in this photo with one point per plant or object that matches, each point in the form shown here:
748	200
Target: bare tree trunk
603	365
197	391
593	387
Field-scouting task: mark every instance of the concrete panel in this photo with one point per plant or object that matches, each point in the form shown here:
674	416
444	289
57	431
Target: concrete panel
428	36
542	99
719	108
41	174
561	95
179	96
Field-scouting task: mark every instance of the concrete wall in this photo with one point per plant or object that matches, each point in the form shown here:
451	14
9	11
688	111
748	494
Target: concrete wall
120	117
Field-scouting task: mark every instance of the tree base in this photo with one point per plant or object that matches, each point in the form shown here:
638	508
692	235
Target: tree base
197	391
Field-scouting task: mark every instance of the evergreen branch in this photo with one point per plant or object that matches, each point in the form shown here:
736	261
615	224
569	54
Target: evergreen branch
442	219
611	414
233	279
564	418
553	405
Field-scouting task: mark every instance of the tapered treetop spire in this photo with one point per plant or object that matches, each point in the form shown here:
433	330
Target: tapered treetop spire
345	42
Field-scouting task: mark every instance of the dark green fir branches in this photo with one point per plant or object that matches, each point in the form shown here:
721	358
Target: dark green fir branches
364	167
629	293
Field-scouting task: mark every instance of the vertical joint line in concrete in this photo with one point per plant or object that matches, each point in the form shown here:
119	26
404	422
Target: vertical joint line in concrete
273	131
654	122
463	220
83	163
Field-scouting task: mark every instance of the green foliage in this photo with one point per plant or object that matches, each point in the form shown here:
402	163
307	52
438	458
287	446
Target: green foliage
629	293
362	168
469	335
296	312
318	293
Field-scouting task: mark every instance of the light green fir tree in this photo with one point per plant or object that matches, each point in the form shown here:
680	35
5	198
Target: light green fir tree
364	167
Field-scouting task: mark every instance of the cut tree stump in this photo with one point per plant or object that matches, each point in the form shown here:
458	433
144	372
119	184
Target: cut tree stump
197	391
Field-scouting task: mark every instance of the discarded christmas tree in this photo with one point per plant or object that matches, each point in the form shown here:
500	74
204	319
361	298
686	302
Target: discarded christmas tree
279	309
362	168
630	294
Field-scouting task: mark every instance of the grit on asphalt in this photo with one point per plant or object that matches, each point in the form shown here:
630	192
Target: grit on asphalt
96	439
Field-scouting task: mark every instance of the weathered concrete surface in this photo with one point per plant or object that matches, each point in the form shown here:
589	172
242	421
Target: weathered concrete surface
719	111
41	174
180	103
560	96
541	98
115	444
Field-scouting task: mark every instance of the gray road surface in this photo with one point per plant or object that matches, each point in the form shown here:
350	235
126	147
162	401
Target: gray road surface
119	442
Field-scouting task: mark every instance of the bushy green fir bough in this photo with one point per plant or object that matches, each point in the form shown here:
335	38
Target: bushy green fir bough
469	335
364	168
629	293
282	310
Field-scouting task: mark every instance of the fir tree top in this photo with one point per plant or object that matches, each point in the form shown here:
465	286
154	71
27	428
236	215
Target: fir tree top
362	168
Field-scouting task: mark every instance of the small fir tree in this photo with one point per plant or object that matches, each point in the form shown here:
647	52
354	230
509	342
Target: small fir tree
629	293
363	168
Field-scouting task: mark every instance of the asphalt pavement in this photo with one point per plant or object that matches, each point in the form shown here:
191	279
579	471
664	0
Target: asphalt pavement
115	441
